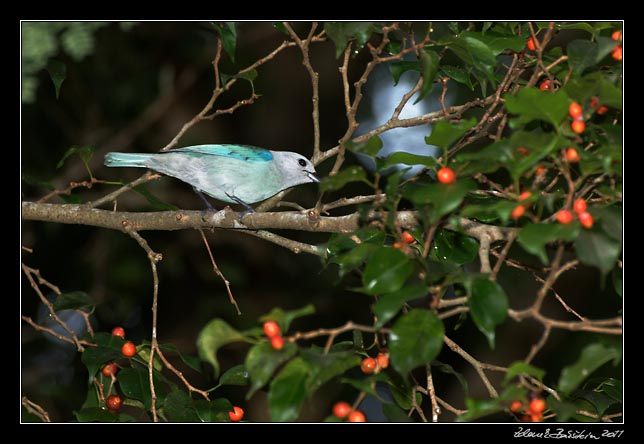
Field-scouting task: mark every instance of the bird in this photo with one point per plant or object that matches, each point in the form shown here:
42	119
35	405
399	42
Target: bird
239	174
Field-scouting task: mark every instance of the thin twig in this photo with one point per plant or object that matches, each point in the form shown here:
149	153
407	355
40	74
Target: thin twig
49	331
219	273
432	394
503	255
474	363
34	408
172	368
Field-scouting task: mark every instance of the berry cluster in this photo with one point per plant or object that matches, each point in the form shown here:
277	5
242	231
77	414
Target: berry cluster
580	207
343	410
533	412
374	365
109	370
406	237
272	330
616	54
519	210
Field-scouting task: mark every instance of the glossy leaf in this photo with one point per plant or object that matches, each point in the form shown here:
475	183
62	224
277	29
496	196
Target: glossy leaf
395	414
285	317
397	69
95	357
478	408
597	249
386	271
407	159
213	336
325	366
72	300
444	134
213	411
261	362
288	391
416	339
353	258
135	383
443	197
369	147
519	368
592	357
191	361
178	407
532	103
474	53
454	247
347	175
459	75
237	375
488	306
228	35
581	54
534	237
389	304
430	63
97	414
342	32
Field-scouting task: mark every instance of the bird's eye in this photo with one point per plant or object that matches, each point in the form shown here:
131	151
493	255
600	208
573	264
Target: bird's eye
302	162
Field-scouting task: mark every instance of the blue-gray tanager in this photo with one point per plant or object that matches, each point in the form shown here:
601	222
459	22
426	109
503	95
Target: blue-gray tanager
230	173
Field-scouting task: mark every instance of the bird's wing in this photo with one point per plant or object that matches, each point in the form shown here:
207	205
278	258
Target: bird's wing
241	152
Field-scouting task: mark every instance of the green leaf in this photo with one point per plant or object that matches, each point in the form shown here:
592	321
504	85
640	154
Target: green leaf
353	258
213	336
399	157
522	368
444	134
179	408
397	69
342	32
454	247
280	26
477	408
135	383
97	414
539	144
72	301
213	411
325	366
474	53
596	248
390	304
228	36
288	391
446	368
600	401
84	152
583	88
34	181
108	340
284	318
415	339
430	62
444	198
532	103
369	147
367	384
156	203
237	375
386	271
351	174
498	43
57	72
581	54
191	361
592	357
612	387
95	357
261	362
459	75
488	306
395	414
534	237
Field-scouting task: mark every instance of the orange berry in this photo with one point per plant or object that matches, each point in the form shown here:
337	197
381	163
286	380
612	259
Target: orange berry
578	126
564	217
536	417
594	102
617	53
518	211
602	110
128	349
575	110
530	44
109	370
572	155
407	237
277	342
237	414
516	406
357	416
617	35
537	406
118	331
446	175
271	329
383	360
523	196
580	206
368	365
114	403
546	85
341	409
586	219
540	170
397	245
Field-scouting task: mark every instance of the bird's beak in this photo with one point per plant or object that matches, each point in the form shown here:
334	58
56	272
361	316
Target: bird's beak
314	177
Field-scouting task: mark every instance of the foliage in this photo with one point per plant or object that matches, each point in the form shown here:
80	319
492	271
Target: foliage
467	256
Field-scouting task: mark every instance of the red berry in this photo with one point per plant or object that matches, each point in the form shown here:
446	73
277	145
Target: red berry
617	53
516	406
572	155
118	331
407	237
109	370
594	102
397	245
522	150
575	110
617	35
546	85
530	44
277	342
602	110
271	329
128	349
536	417
382	360
518	211
446	175
564	217
537	406
368	365
114	403
540	170
523	196
357	416
578	126
586	219
341	409
580	206
237	414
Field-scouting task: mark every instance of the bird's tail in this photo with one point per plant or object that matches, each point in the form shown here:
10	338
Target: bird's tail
127	160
